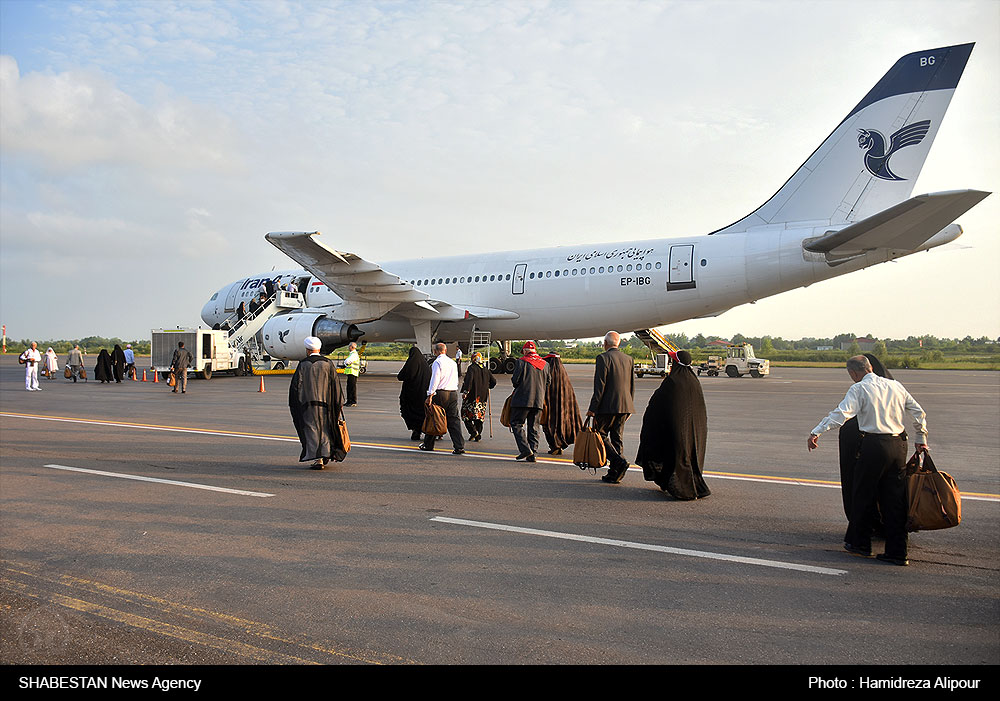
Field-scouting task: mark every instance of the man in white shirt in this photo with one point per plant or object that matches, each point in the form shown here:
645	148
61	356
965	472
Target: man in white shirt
880	405
129	361
30	359
443	391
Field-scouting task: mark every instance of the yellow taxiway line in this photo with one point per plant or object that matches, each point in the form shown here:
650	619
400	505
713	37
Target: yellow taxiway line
393	446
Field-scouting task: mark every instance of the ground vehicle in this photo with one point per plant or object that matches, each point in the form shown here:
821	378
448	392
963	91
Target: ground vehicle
740	360
660	366
710	366
659	348
209	349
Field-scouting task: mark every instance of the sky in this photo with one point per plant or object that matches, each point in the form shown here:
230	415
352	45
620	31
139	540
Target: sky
147	147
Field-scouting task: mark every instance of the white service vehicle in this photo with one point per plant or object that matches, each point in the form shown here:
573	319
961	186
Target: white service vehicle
660	366
741	360
209	348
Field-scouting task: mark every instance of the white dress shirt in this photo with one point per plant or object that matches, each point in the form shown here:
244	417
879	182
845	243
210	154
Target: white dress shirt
444	375
879	404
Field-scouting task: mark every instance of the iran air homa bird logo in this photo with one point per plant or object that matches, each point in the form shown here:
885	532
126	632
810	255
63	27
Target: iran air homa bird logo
877	157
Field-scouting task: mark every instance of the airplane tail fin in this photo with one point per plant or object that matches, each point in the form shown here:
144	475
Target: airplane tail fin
871	160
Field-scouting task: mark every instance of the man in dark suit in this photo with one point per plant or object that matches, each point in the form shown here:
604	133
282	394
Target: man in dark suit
611	405
179	365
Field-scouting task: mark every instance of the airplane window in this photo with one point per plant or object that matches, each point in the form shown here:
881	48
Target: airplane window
217	294
704	262
548	273
591	271
619	268
601	269
508	276
628	267
574	271
565	273
440	281
557	273
657	265
531	277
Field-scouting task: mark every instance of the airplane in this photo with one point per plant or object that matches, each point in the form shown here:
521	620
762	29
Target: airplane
848	207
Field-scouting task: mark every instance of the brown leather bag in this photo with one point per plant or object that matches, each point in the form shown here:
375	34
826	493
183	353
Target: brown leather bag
435	420
172	382
505	412
345	437
588	449
933	496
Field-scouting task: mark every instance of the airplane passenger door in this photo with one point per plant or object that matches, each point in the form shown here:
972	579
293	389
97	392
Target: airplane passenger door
681	268
231	297
517	286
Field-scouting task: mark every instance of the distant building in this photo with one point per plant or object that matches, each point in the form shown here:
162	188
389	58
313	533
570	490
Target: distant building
715	344
824	348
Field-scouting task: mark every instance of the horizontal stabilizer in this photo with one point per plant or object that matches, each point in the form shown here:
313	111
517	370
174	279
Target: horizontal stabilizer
903	227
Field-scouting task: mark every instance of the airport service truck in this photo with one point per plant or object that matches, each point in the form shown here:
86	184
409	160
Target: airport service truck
208	347
740	360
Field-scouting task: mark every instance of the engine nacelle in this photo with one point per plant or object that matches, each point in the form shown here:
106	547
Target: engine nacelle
284	336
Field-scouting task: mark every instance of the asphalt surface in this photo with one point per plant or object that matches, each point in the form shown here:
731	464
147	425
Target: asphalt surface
397	556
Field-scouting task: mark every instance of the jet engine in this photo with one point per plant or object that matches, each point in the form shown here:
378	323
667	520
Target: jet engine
284	336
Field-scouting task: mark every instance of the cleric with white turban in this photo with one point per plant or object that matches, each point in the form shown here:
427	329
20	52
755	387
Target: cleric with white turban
315	402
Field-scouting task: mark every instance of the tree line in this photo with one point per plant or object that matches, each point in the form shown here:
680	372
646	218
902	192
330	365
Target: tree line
90	344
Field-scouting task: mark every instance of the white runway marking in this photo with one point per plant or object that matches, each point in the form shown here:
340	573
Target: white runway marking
161	481
443	451
641	546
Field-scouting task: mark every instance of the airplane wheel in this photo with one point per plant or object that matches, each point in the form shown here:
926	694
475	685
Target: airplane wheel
732	371
508	366
495	367
279	365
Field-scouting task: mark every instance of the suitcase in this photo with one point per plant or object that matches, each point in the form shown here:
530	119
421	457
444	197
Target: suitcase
588	450
933	497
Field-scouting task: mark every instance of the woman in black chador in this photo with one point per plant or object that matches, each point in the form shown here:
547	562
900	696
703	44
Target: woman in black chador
562	419
118	363
675	433
849	440
416	377
476	396
103	371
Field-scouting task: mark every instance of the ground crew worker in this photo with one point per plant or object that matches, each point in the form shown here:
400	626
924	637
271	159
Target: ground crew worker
352	368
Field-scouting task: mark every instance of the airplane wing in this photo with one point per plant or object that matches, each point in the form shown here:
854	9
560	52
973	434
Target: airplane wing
368	291
903	227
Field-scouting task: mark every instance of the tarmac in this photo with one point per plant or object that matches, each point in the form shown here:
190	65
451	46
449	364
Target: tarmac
144	527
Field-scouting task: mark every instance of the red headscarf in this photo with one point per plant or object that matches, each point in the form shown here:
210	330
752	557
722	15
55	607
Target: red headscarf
530	355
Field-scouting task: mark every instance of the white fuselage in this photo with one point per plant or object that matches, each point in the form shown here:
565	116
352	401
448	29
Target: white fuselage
583	291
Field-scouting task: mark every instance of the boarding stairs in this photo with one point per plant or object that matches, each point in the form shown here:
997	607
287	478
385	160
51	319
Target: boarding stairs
242	331
655	341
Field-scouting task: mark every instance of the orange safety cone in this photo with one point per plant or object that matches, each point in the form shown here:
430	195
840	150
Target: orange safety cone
262	384
143	375
156	376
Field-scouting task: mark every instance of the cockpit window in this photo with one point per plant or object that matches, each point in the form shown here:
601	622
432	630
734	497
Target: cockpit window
213	297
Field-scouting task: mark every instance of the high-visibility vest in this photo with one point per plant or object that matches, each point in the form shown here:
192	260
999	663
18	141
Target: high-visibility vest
352	364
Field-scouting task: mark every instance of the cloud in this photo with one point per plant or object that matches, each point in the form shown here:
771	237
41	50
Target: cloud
72	120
